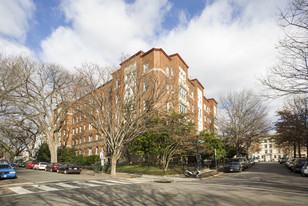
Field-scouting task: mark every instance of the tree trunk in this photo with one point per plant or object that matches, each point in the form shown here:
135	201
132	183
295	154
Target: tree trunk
299	150
294	148
53	153
113	164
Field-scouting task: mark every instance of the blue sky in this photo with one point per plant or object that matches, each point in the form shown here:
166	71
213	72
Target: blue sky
226	43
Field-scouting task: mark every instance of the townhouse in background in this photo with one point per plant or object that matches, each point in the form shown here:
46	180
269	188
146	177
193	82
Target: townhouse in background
184	95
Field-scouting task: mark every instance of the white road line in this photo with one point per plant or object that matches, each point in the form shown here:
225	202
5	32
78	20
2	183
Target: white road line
86	184
67	185
45	188
103	183
113	181
20	190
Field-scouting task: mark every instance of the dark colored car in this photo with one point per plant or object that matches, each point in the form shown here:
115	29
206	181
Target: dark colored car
30	165
7	171
244	162
233	167
22	164
297	165
52	167
69	169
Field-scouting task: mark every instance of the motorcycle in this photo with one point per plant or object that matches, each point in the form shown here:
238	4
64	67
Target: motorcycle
190	173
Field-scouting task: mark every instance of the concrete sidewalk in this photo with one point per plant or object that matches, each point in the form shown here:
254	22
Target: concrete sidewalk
152	178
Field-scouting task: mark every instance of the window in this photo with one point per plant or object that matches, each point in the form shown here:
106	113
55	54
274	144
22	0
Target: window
73	142
73	131
145	67
172	89
192	108
118	83
265	146
171	71
90	138
90	126
96	150
167	107
63	132
64	123
167	70
96	137
167	88
182	109
80	118
84	127
73	120
84	139
80	140
80	129
266	151
77	120
90	151
271	151
270	146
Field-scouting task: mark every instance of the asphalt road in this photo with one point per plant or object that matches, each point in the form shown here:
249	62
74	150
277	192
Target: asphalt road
263	184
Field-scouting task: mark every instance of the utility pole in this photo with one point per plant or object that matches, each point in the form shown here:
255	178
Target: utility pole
198	159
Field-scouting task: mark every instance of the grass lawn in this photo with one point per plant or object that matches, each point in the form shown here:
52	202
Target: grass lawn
149	170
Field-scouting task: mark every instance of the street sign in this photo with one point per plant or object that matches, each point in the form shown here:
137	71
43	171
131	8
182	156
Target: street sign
201	141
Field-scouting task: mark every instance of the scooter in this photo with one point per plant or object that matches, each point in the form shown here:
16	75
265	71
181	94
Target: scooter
189	173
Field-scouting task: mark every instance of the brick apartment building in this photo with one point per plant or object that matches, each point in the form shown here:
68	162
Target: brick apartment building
182	95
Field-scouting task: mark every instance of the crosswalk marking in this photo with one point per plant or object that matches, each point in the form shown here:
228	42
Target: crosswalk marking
66	185
20	190
113	181
45	188
85	183
103	183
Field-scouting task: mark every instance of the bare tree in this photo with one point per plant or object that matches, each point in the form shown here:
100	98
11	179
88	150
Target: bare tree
9	81
243	118
44	98
290	75
120	104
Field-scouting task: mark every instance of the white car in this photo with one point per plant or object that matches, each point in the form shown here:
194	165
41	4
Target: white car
40	166
304	169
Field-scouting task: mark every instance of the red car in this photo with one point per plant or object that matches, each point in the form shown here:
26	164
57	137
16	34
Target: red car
52	167
30	165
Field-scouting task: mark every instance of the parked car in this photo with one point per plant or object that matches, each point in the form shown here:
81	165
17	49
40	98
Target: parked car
283	160
233	167
7	171
69	169
52	167
304	170
244	162
297	165
40	166
289	163
30	165
251	161
22	164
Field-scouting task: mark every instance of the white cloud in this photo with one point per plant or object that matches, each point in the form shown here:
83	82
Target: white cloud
229	44
103	29
13	48
14	18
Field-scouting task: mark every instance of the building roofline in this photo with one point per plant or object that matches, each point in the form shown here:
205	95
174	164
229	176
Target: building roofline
139	52
156	49
177	54
212	99
198	82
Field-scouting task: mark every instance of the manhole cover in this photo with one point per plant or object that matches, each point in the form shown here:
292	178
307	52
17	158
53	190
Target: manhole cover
169	195
163	181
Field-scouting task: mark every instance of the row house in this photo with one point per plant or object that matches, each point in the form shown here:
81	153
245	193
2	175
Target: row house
137	74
